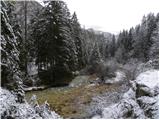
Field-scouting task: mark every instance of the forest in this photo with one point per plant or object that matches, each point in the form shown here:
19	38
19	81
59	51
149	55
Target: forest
52	67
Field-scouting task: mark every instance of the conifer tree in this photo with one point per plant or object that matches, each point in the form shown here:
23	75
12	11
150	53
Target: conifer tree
11	74
55	47
112	46
77	37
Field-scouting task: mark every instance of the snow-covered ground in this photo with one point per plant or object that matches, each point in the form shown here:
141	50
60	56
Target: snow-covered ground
120	76
148	79
10	109
147	83
140	101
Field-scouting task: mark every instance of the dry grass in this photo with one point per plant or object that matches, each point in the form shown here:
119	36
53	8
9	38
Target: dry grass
71	103
92	77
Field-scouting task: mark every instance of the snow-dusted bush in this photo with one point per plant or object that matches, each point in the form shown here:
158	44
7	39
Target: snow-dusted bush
43	110
131	67
143	67
134	67
10	109
150	106
126	108
106	99
141	100
106	69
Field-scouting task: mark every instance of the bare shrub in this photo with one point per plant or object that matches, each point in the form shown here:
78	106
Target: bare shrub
87	70
103	69
106	69
134	67
131	67
143	67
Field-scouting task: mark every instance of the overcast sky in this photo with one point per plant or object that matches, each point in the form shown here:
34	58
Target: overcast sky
112	15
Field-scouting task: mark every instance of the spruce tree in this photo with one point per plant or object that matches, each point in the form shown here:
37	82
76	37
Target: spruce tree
95	56
10	70
77	37
112	46
55	47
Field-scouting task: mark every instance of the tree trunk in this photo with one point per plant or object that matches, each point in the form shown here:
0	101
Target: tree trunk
25	32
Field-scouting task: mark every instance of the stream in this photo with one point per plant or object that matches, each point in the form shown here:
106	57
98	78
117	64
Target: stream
82	99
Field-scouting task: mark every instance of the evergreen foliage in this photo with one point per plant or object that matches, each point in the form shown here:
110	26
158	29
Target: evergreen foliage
138	42
10	70
60	46
55	47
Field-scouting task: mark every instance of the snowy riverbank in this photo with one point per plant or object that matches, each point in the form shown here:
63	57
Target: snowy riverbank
10	109
137	99
140	101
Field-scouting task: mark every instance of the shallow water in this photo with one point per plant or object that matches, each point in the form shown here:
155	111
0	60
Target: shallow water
80	99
